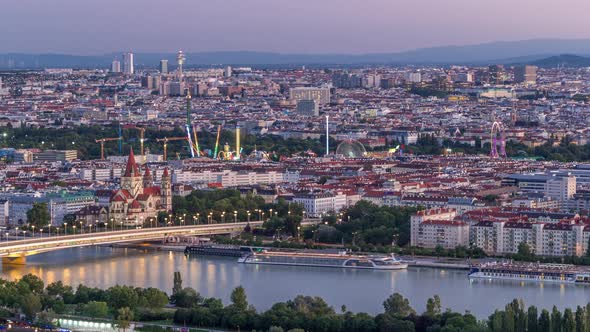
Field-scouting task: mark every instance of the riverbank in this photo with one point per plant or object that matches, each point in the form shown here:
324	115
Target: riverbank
413	261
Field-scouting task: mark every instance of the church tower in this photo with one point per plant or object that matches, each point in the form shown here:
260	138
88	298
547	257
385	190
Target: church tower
132	179
148	179
166	190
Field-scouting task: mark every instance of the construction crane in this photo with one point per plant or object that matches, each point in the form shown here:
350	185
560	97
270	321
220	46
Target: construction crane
168	139
141	135
102	140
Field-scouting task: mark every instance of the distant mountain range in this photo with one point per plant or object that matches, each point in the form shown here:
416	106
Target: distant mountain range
542	52
564	60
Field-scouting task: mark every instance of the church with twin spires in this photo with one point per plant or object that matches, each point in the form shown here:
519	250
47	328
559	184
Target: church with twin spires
139	199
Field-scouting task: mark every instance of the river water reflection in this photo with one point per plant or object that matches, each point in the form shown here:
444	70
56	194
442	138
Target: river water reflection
359	290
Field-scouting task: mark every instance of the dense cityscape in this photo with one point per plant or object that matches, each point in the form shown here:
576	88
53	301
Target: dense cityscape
268	166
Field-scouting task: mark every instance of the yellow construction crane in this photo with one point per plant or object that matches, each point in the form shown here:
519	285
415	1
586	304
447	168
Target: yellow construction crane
102	140
168	139
141	135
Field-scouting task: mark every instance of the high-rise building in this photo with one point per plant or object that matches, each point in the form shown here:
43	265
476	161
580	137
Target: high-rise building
525	74
307	108
346	80
415	77
116	66
496	73
372	81
180	58
228	71
128	63
320	95
164	66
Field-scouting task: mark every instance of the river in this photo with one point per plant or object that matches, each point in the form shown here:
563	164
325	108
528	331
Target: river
359	290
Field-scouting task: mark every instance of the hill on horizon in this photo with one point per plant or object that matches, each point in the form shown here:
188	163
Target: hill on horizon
505	52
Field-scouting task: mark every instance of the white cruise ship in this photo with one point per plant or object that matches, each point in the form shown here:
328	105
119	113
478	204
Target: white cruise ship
341	260
535	272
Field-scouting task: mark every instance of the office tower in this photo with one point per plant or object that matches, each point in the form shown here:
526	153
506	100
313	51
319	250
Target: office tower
156	80
116	66
128	63
320	95
180	59
164	66
307	108
496	73
372	81
227	72
525	74
148	82
414	77
346	80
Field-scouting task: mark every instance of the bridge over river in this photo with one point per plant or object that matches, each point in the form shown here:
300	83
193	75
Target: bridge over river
15	252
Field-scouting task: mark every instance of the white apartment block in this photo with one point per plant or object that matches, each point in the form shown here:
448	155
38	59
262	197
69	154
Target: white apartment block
227	178
437	227
545	239
316	204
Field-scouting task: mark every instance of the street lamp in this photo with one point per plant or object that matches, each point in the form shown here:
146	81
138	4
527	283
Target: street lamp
41	231
33	227
74	227
223	217
65	228
235	216
248	214
298	232
106	226
121	225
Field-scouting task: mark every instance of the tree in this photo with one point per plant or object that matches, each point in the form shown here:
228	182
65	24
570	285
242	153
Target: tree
58	289
433	306
187	298
124	318
556	323
155	298
35	283
96	309
569	321
122	296
397	305
177	283
580	319
387	323
545	321
30	305
38	215
532	319
524	251
239	299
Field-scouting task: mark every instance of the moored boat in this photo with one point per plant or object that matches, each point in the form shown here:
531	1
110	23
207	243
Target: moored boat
341	260
531	272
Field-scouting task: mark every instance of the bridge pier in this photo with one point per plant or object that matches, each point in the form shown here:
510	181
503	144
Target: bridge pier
18	260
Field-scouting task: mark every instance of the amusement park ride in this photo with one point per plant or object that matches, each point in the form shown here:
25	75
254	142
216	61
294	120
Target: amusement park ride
498	141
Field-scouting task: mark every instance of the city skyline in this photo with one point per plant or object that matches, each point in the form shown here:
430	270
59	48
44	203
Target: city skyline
374	26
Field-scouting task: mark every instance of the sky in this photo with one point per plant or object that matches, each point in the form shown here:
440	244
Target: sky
285	26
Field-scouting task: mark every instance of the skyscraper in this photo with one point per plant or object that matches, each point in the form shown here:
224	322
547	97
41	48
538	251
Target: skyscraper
116	66
525	74
128	63
164	66
180	59
496	73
